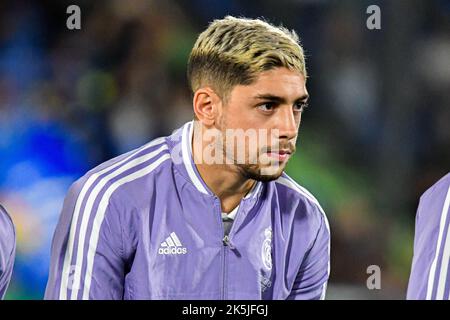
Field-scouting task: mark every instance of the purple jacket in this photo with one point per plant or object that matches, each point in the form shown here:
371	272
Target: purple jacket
430	277
145	226
7	250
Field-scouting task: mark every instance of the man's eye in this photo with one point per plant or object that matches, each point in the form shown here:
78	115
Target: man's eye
301	106
266	107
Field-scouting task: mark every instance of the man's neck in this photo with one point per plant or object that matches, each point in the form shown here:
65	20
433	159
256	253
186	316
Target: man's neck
224	180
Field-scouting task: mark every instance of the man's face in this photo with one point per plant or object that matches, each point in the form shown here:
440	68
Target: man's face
268	114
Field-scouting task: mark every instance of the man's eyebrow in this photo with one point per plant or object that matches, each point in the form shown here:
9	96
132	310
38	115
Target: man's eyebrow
280	100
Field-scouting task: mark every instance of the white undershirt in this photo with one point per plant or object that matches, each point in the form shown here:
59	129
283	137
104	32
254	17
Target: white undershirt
230	215
228	218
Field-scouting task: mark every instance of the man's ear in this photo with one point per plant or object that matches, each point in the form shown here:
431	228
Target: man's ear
206	105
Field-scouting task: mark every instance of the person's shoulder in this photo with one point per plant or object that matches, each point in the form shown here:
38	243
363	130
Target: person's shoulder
290	188
6	223
125	169
133	160
7	232
294	193
438	189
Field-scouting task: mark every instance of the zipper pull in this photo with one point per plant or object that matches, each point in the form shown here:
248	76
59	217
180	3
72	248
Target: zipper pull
227	242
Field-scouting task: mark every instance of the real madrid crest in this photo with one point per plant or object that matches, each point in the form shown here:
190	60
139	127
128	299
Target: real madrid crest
266	250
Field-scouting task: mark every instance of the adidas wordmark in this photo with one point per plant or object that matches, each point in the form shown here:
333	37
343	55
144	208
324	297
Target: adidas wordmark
172	245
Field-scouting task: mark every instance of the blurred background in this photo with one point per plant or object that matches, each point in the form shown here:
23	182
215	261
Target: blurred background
376	135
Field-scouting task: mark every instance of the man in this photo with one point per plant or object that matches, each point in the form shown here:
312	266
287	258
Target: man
7	250
147	225
430	278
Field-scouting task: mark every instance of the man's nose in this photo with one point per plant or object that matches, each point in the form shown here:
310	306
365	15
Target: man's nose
287	124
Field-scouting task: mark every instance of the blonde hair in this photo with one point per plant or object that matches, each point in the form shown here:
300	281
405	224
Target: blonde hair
234	51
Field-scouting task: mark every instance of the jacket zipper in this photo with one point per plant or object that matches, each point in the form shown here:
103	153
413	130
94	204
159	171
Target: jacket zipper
224	249
224	275
226	245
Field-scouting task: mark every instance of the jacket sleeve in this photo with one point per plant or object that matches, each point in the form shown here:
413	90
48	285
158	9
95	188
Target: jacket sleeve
312	277
430	266
86	258
7	250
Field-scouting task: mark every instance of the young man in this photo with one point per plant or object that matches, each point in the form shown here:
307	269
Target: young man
430	278
7	250
184	217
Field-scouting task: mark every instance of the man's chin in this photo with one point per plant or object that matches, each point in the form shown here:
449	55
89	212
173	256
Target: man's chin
264	174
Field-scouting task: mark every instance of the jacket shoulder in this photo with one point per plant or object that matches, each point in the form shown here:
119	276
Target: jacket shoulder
127	167
123	180
438	188
8	238
296	195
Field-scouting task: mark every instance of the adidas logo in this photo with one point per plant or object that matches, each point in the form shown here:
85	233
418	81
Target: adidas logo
172	245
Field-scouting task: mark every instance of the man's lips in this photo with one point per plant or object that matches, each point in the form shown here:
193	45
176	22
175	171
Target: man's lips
280	155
